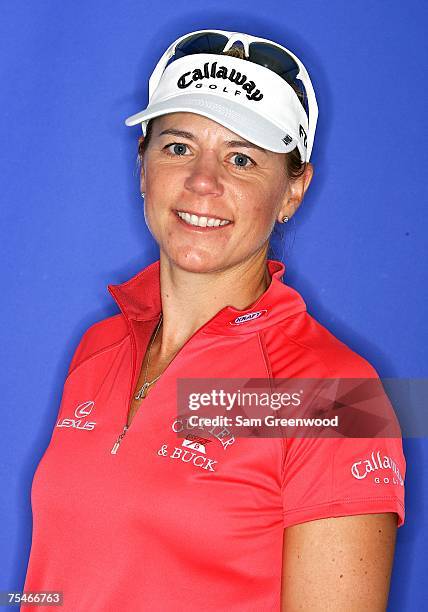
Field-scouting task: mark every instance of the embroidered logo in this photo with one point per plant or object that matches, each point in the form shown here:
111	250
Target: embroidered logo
193	447
221	72
195	443
250	316
84	410
360	469
303	135
81	412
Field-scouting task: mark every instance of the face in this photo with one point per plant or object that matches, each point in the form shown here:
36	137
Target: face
211	197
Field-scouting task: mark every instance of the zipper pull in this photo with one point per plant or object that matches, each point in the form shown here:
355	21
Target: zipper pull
143	391
118	441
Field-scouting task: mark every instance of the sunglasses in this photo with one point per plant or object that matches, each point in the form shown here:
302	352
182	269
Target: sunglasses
263	53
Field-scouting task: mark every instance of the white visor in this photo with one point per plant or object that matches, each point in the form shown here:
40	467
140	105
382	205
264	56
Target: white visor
248	99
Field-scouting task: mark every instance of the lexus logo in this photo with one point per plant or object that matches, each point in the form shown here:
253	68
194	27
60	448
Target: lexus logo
83	410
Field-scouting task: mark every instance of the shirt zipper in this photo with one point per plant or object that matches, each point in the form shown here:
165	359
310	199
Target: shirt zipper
134	364
119	440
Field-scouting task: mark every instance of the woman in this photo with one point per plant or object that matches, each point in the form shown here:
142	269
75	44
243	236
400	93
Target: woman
132	511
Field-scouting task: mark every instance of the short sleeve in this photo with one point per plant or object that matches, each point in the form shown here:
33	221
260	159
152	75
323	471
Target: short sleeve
330	477
338	476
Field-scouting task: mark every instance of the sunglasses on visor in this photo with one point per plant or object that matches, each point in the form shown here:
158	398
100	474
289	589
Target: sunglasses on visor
259	52
262	53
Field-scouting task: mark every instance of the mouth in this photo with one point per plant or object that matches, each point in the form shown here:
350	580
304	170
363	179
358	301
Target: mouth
201	220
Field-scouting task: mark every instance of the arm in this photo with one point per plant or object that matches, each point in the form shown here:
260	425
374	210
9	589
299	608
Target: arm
336	564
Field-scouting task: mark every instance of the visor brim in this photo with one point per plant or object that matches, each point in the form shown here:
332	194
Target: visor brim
243	121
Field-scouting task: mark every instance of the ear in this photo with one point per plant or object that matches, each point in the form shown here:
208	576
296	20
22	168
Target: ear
295	193
141	158
142	179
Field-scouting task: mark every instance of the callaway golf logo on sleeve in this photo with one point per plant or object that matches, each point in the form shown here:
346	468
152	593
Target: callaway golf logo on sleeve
362	468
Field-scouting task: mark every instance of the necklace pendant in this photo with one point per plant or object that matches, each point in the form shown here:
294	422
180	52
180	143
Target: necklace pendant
142	393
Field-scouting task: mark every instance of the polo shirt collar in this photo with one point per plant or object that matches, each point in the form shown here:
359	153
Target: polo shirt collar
139	299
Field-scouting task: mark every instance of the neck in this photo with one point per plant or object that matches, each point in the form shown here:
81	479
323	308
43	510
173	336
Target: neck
190	299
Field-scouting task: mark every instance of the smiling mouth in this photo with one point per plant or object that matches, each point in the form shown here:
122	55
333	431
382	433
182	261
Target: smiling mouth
201	221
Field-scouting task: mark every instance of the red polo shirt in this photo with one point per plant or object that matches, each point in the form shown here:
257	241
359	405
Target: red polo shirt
168	524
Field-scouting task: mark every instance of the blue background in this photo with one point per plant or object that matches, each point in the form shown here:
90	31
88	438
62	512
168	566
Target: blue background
72	219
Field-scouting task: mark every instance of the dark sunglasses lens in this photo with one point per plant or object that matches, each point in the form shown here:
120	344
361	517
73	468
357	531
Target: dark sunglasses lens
303	97
275	59
201	43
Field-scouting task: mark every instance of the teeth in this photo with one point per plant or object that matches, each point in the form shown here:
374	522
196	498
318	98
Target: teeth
201	221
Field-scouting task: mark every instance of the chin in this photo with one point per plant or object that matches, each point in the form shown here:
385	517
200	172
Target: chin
196	260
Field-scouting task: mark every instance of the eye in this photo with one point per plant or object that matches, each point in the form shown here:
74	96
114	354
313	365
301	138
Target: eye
242	160
178	148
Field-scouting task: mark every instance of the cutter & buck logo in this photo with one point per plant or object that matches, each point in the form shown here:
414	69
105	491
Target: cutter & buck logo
193	448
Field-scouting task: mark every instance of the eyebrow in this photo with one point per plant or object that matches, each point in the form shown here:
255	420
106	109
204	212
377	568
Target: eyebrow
230	143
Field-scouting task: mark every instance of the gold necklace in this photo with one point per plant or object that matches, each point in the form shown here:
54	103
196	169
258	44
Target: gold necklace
142	392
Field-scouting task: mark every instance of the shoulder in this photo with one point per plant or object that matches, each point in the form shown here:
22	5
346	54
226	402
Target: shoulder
308	348
99	336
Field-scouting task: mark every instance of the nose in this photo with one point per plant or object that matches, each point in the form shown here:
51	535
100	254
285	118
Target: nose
204	175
